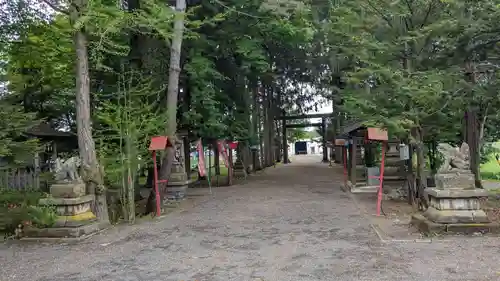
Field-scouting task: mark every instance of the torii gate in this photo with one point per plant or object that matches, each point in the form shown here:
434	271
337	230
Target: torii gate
322	125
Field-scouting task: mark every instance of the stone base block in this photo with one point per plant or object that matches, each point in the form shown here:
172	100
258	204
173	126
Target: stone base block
458	179
67	190
177	190
456	216
240	173
365	189
456	193
426	226
64	232
69	206
75	220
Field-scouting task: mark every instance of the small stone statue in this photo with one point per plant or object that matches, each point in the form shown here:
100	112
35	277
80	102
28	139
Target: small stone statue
67	171
454	158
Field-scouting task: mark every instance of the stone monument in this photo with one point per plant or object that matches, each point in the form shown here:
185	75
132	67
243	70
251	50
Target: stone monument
73	206
454	204
240	171
178	181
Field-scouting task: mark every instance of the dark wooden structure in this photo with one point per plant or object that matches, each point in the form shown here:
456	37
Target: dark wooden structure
27	175
354	134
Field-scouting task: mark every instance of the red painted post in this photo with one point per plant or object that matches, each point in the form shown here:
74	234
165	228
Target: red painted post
157	191
381	179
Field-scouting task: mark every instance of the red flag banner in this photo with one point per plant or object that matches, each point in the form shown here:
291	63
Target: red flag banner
223	151
201	158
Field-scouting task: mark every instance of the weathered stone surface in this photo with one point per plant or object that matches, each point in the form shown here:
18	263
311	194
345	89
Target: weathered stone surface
239	169
453	157
75	220
67	190
67	171
66	201
63	232
455	204
73	210
427	226
177	190
456	216
461	179
456	193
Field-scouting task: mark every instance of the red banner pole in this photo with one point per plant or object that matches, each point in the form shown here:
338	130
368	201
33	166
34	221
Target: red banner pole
157	191
381	180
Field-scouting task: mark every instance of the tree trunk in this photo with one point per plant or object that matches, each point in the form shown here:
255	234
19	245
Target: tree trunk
172	96
260	139
473	135
255	124
216	154
265	127
421	176
473	128
93	175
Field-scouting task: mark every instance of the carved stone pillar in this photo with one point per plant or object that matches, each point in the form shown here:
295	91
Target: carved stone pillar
179	180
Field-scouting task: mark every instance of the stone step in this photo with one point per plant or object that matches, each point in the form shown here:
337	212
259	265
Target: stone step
365	189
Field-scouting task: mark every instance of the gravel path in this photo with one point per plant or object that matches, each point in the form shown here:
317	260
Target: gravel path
290	223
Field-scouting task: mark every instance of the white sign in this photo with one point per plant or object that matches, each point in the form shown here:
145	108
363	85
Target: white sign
404	152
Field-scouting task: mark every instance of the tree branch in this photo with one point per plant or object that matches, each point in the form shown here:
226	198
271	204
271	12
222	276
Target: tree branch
427	14
55	7
379	13
483	122
409	20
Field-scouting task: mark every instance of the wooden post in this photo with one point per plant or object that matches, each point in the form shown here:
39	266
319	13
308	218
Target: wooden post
349	158
323	133
230	168
285	144
353	159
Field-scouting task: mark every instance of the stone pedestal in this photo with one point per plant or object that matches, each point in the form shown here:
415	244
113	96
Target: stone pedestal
73	207
239	169
178	182
454	205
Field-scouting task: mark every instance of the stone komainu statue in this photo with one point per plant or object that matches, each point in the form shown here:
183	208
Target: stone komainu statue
67	171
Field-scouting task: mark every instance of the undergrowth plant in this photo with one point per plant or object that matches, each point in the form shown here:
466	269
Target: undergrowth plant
128	122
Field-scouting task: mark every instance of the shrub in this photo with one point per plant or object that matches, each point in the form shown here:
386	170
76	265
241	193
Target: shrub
490	175
20	207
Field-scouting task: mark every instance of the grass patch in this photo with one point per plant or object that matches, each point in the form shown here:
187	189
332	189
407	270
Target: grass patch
491	169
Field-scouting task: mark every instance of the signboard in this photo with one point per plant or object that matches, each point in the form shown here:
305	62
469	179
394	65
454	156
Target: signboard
159	143
340	142
201	158
404	152
223	151
377	134
233	144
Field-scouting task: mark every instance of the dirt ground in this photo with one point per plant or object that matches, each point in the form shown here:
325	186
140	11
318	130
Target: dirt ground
289	223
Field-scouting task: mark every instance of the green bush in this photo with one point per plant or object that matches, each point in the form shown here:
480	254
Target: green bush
42	216
487	151
490	175
19	197
20	207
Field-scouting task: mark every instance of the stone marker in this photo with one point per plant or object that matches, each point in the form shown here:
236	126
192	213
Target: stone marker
178	181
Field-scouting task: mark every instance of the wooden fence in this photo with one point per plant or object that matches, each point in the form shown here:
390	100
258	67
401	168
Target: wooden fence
19	179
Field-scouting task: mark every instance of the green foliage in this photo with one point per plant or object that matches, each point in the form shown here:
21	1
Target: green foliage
128	121
20	207
14	146
42	216
487	151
